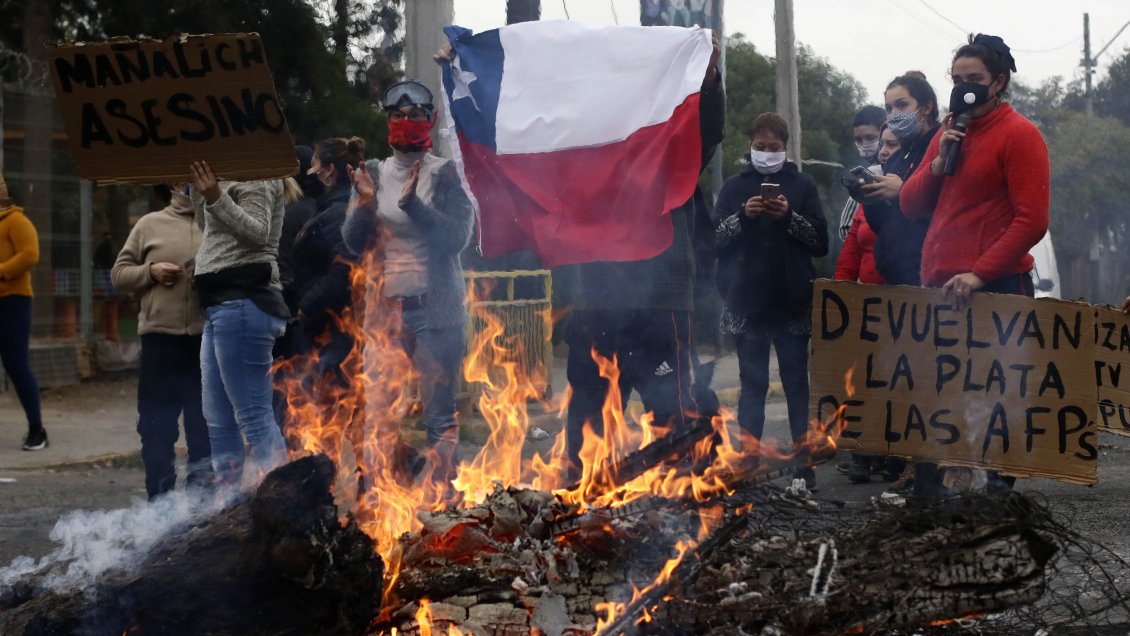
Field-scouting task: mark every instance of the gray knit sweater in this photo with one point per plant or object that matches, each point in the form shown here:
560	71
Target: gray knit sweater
445	218
241	227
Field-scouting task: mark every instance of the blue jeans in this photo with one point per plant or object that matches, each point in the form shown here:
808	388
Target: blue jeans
235	367
436	354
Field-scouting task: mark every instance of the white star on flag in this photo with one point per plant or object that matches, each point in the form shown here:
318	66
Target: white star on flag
462	80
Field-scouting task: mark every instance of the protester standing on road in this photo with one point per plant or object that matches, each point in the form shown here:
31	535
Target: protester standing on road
296	214
865	133
320	287
19	252
413	208
857	258
152	265
640	312
913	118
766	243
238	281
994	208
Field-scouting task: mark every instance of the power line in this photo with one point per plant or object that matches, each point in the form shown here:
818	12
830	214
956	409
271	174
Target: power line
615	18
566	6
957	26
1070	42
932	26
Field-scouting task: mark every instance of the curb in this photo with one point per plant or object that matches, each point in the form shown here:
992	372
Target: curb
113	460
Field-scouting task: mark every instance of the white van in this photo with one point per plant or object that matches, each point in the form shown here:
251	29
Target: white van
1045	274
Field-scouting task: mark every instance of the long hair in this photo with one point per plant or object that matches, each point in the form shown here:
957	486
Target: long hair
340	152
915	83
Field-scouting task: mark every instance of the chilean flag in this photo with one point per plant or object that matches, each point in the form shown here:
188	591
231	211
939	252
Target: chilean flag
576	140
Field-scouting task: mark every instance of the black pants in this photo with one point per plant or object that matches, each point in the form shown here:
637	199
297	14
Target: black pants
753	368
169	385
653	351
15	331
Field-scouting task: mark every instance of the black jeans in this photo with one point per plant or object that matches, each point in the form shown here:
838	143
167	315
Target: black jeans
653	351
15	331
753	369
169	384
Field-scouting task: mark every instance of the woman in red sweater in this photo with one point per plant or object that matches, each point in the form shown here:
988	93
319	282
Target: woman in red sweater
993	209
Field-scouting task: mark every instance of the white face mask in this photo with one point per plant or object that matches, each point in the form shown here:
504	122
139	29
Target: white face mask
767	162
868	151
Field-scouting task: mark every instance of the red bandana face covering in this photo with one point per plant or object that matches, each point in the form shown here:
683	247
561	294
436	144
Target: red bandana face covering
410	134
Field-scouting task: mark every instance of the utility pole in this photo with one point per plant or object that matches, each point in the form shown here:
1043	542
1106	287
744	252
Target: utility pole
1088	63
424	21
788	100
719	27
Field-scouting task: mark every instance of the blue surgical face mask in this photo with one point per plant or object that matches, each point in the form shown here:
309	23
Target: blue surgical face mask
905	125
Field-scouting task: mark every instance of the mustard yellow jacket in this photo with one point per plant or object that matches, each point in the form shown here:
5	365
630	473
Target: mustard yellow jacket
19	252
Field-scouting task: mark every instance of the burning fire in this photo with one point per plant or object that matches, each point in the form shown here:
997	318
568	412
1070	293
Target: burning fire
355	418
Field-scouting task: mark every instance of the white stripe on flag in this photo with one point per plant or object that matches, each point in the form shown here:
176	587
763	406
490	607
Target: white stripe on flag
572	85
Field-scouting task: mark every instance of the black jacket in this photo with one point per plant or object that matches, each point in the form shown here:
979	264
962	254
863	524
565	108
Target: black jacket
321	263
898	243
765	268
296	215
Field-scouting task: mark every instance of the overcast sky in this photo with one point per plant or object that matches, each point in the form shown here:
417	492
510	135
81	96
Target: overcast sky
876	40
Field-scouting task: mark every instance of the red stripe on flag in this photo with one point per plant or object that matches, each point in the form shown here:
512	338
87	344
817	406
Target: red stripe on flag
605	203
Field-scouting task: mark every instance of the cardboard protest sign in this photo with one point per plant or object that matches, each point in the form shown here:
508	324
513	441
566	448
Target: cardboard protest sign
1112	369
143	111
1007	383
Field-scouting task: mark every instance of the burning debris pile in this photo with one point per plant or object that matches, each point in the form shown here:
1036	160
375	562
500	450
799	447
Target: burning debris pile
280	562
758	559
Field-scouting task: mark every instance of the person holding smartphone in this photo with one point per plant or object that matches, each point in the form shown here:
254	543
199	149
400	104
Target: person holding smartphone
913	121
770	228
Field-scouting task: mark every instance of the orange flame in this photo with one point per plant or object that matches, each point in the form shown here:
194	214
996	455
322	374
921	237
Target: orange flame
355	417
424	617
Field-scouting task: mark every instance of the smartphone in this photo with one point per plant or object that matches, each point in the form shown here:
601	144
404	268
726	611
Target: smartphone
863	175
770	190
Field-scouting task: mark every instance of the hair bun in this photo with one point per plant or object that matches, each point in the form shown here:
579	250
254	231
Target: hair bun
912	73
356	144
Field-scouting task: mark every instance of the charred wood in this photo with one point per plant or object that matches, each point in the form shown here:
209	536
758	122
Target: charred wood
280	562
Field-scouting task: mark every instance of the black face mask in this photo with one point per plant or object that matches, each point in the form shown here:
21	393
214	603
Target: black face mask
961	95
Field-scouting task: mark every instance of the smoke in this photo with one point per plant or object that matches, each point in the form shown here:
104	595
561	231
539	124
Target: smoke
91	543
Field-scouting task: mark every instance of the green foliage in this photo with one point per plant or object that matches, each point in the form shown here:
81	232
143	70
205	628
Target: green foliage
749	92
1090	194
1112	95
1090	197
828	101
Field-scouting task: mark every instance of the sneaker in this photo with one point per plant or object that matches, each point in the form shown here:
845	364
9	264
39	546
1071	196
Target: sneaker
36	440
898	493
843	467
808	475
860	470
